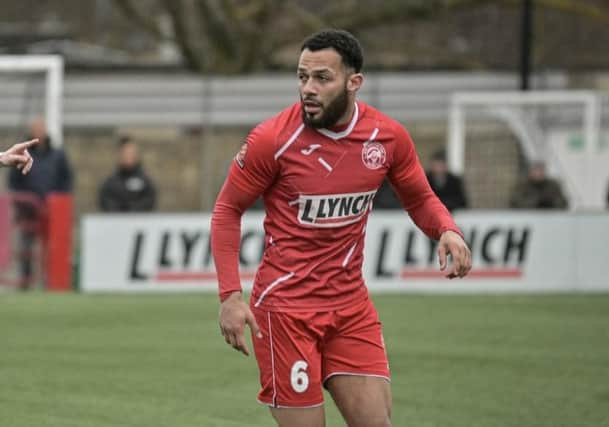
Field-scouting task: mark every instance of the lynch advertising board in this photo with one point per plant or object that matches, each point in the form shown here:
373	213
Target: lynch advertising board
512	252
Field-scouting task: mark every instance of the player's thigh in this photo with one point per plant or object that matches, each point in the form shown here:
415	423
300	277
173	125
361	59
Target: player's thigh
299	417
355	367
364	401
289	361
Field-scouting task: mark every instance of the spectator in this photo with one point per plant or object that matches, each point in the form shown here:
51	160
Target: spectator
52	174
385	197
448	187
538	191
608	196
128	189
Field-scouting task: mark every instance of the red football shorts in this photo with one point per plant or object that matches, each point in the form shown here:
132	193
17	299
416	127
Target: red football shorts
300	351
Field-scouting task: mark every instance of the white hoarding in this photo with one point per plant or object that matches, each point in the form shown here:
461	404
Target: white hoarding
512	252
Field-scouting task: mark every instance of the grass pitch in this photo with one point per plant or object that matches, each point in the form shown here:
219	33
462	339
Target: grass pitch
159	360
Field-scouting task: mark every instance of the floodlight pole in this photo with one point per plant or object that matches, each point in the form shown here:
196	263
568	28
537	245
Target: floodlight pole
526	41
54	100
455	149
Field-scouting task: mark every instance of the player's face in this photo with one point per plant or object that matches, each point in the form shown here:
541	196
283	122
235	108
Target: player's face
327	88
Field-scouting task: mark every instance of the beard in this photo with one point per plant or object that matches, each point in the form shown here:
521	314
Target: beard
330	114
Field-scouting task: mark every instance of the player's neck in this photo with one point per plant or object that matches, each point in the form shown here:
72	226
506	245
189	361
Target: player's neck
345	120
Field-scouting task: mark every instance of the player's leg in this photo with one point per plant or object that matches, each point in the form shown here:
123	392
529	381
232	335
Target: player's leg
363	401
299	417
289	359
355	367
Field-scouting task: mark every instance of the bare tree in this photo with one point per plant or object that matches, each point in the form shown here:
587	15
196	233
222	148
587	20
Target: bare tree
232	36
236	36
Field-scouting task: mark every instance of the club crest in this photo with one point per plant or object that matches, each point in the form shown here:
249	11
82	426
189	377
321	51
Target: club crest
240	157
373	155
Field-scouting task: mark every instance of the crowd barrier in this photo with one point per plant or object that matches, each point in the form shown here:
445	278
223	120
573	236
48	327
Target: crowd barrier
36	241
512	251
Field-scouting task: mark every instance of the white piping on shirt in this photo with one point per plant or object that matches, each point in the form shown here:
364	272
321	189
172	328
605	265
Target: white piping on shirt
272	285
325	164
349	254
339	135
373	135
289	141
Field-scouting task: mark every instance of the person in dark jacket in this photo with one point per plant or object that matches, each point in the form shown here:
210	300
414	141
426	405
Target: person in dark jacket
538	191
386	198
52	174
448	187
128	189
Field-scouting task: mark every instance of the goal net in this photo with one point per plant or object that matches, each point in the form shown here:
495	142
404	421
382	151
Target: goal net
31	87
492	136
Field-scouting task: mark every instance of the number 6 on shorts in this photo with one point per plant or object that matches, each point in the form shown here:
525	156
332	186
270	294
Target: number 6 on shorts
298	376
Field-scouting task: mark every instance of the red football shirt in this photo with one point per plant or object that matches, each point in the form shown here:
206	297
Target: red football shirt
318	187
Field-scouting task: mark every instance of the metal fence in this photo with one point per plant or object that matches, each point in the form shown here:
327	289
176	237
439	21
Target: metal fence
109	100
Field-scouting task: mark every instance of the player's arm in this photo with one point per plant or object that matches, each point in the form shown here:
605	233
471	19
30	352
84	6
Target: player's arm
426	210
251	173
19	156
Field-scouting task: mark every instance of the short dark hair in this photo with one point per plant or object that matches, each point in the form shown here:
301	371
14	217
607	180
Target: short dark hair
123	140
439	155
341	41
537	164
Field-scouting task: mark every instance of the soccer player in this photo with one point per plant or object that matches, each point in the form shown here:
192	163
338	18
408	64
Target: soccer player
19	156
317	165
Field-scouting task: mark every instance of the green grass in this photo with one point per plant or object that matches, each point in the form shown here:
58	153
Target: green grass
75	360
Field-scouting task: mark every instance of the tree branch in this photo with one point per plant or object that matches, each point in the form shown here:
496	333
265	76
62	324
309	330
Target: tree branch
256	42
218	29
194	59
577	7
145	22
569	6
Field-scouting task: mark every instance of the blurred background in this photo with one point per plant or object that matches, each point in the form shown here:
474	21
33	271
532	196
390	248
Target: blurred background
146	102
188	79
141	106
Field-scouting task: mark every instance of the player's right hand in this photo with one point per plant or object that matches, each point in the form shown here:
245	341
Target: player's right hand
234	315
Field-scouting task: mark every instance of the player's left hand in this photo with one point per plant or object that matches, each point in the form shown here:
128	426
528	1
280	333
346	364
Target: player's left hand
19	156
453	244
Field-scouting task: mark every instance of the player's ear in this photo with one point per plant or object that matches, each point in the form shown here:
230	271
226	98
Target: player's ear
354	82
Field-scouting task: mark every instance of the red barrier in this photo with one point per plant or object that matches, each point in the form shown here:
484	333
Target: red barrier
25	214
59	242
5	228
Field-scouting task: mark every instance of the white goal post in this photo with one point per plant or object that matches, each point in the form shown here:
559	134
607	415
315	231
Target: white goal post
584	173
52	67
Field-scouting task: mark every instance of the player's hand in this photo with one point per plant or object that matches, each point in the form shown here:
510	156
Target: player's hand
453	244
19	156
234	315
